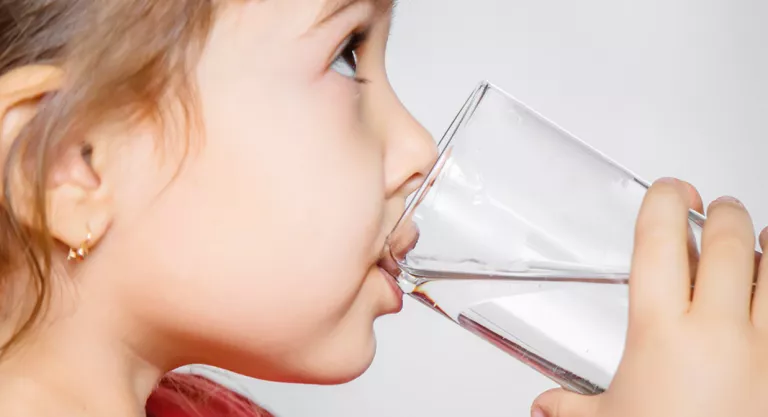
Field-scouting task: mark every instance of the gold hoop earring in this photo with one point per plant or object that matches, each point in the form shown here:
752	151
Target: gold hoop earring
81	252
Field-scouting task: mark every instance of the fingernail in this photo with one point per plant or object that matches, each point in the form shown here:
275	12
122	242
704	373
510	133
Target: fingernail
538	412
728	200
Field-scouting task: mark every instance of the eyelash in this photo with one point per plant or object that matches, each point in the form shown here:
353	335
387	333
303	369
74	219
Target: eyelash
348	52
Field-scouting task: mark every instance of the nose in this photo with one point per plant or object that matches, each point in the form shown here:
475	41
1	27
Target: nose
410	151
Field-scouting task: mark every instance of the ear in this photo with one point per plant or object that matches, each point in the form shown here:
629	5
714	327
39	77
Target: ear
76	200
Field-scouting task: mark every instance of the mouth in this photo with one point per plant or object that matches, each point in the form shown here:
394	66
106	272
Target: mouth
402	241
396	290
388	264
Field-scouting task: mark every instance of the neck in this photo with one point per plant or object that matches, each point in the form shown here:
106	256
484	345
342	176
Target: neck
77	368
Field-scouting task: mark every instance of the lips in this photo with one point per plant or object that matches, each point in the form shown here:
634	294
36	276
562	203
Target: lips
401	242
388	265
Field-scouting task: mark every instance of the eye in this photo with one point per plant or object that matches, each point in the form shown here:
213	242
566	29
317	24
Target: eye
345	61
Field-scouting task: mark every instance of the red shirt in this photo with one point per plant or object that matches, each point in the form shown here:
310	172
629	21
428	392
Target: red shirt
189	395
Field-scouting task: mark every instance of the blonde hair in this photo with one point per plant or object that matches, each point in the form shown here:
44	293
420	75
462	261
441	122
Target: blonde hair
120	58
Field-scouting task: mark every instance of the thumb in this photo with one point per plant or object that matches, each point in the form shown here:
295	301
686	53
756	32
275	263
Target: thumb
562	403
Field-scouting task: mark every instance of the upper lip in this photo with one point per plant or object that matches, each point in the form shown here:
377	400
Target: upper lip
398	245
388	263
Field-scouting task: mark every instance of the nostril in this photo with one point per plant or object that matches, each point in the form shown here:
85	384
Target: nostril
413	183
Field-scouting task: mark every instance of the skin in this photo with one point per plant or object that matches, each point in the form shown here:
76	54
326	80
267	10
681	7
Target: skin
698	353
260	255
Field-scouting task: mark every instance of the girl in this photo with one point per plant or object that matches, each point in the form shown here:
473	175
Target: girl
222	175
197	181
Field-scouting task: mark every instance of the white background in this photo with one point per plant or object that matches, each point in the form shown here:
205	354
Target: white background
665	87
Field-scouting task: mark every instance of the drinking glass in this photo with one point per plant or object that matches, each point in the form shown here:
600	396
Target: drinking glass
523	235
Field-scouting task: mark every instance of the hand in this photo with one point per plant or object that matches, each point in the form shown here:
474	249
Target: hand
689	353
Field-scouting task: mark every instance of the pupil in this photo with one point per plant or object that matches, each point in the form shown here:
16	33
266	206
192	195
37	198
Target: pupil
351	59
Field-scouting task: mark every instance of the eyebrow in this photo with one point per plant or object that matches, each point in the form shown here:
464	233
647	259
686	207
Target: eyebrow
334	7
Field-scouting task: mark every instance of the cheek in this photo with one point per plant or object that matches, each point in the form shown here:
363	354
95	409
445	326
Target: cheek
285	217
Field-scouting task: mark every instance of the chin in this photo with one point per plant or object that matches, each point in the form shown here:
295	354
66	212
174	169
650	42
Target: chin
340	367
338	378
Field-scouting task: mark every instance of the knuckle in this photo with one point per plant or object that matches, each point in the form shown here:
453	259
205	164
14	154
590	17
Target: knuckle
652	232
729	240
658	240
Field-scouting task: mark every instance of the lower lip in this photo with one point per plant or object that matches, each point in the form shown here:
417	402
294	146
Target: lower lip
395	290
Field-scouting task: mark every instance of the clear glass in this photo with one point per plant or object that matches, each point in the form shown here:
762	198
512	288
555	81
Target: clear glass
523	234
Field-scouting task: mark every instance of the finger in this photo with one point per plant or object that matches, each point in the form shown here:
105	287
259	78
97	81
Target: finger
764	239
660	281
724	279
694	198
760	300
562	403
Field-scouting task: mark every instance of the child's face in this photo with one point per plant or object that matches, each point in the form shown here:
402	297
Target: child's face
261	254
